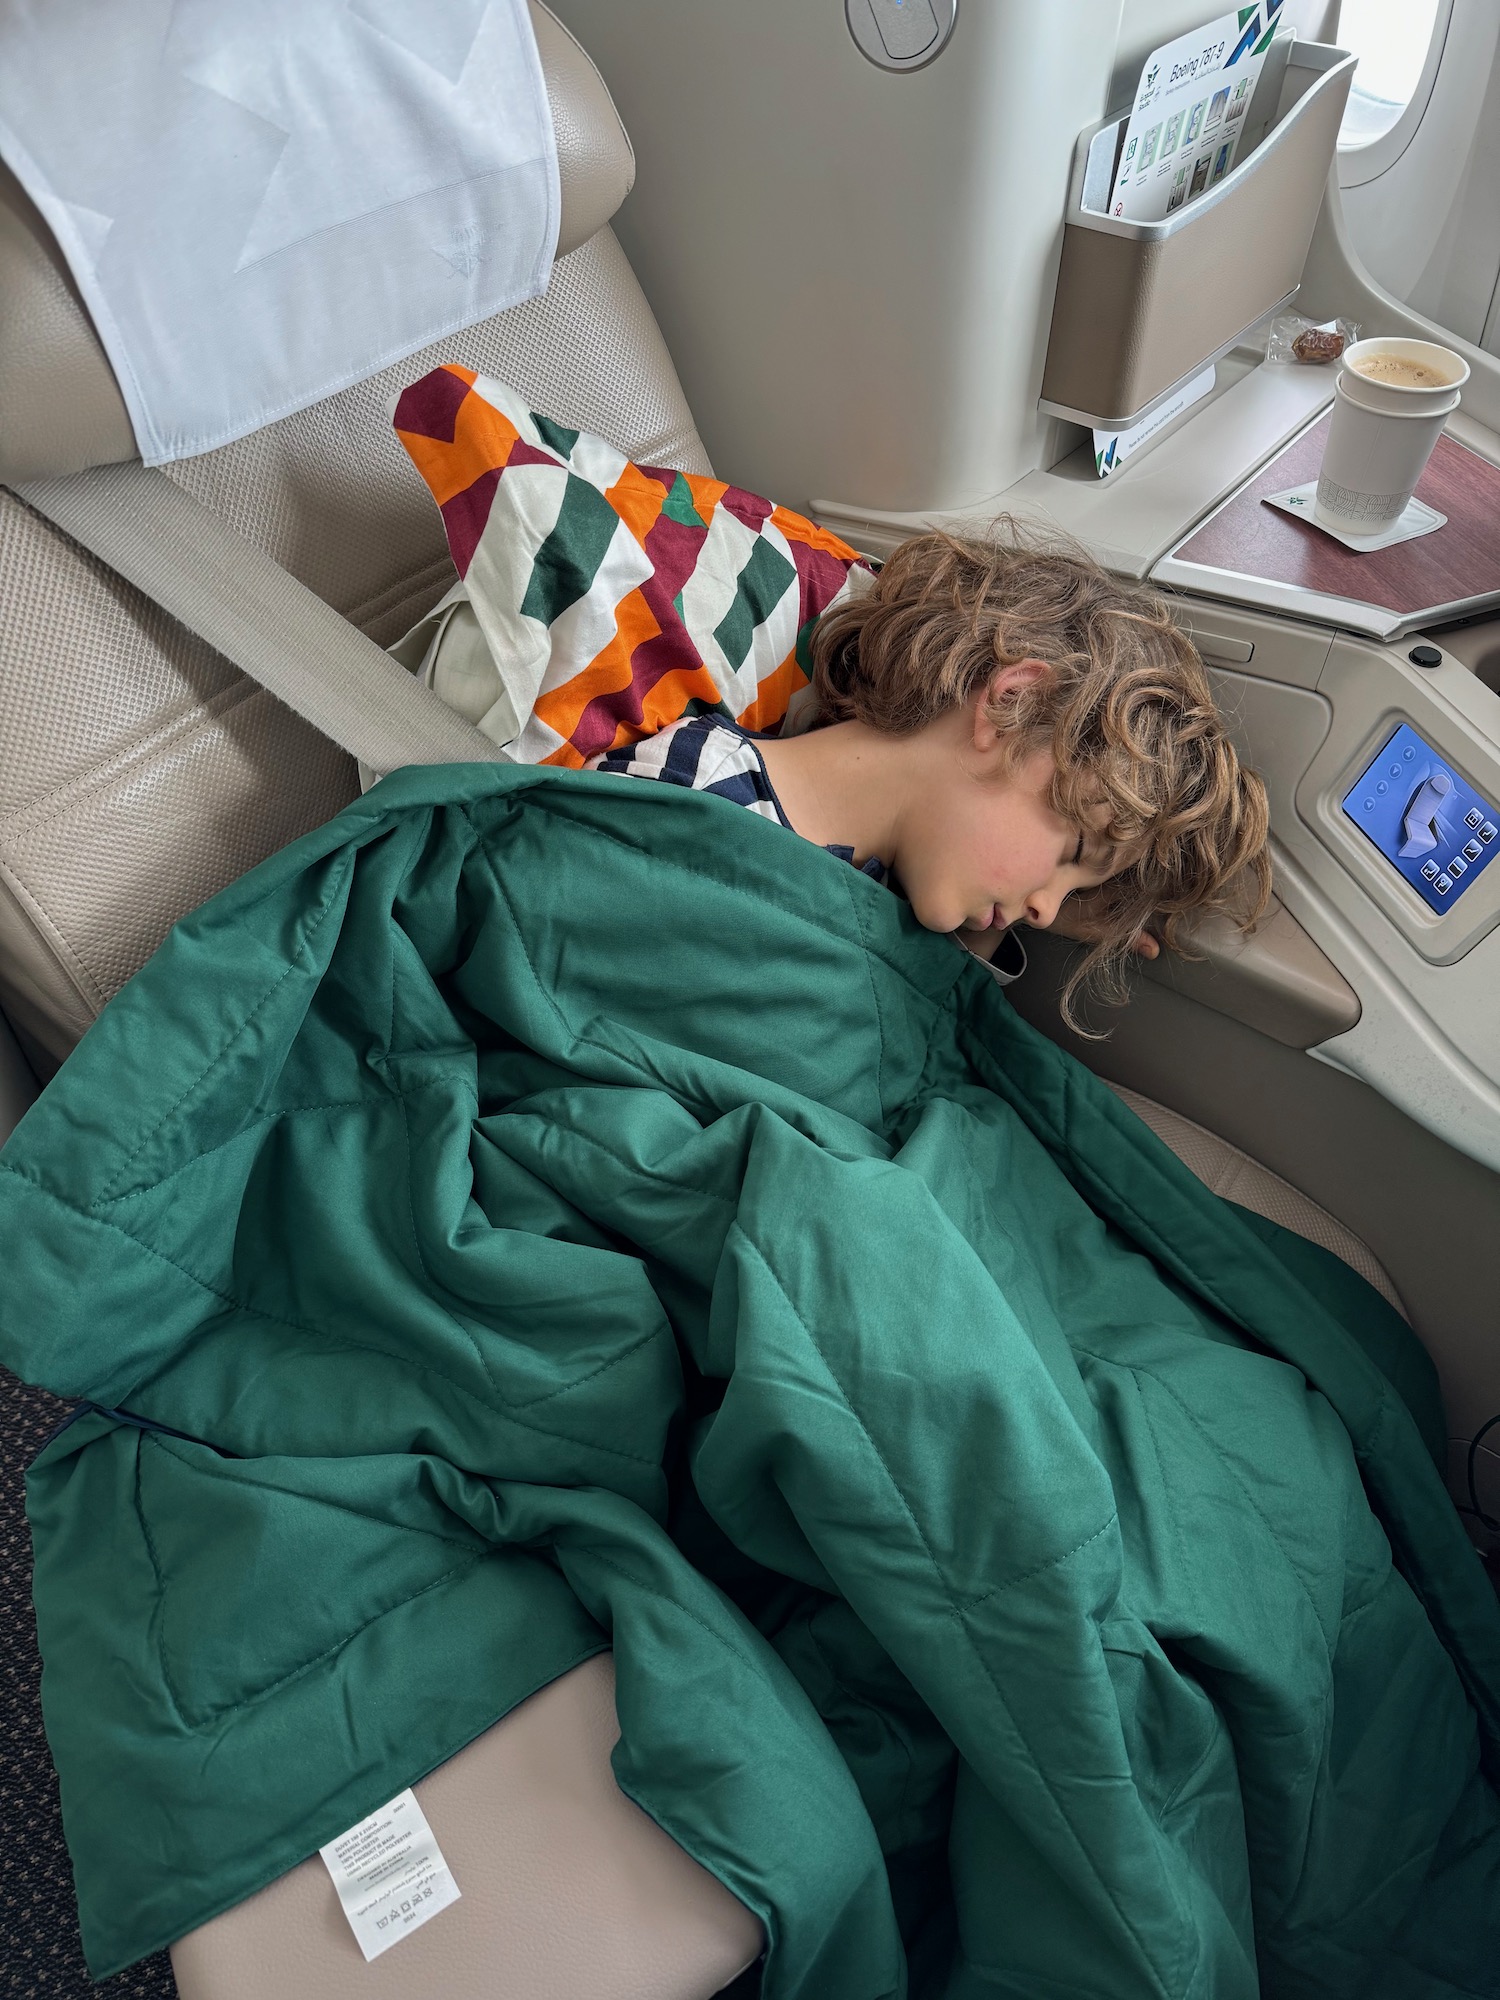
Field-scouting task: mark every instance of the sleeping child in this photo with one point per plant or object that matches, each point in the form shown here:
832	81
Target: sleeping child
1008	736
1025	1572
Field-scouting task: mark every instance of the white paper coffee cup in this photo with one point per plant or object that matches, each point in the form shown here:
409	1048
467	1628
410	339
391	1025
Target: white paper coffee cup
1402	398
1383	434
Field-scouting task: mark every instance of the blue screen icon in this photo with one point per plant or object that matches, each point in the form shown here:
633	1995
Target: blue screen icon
1427	820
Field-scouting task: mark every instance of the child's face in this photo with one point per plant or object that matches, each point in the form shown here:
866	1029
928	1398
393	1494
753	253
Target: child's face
987	849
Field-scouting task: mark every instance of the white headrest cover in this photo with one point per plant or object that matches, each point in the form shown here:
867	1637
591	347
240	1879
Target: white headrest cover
60	408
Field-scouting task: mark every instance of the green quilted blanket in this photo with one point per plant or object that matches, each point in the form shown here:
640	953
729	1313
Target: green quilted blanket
539	1212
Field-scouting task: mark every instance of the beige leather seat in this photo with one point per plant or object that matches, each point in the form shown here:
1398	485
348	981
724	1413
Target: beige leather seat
139	773
1237	1177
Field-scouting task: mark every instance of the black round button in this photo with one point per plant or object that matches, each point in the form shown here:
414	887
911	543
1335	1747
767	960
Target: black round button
1425	656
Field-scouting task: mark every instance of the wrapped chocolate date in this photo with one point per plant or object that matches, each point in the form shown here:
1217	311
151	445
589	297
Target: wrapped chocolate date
1293	338
1318	343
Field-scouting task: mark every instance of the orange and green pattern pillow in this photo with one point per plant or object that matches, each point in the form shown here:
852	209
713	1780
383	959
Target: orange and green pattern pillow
616	597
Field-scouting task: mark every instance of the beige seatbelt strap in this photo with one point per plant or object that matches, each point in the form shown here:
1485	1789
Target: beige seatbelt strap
273	628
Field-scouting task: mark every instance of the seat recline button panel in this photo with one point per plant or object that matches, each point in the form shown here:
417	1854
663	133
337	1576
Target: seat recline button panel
1424	968
1430	824
1399	794
1368	885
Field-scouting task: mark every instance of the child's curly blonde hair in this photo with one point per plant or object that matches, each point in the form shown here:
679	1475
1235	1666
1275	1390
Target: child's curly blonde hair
1140	748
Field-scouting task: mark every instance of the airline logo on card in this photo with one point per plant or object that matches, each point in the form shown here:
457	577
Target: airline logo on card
1254	40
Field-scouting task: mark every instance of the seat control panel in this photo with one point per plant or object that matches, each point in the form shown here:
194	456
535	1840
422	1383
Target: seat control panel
1428	821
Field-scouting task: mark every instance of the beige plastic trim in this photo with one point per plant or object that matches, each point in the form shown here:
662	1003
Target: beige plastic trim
1267	648
566	1888
1335	280
1233	1174
1478	646
1338	1140
1276	979
1428	1035
1142	306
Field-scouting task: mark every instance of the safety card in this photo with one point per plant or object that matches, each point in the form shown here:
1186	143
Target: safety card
1112	448
1191	110
390	1874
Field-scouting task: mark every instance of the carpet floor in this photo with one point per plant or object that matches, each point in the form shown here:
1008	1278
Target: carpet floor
40	1957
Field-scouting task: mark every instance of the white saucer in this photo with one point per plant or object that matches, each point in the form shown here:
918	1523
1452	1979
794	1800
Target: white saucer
1418	519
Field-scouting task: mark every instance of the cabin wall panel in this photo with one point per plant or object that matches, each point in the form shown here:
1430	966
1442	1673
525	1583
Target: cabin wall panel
1428	227
853	270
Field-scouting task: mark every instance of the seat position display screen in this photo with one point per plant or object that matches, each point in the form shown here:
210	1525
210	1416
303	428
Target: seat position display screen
1428	822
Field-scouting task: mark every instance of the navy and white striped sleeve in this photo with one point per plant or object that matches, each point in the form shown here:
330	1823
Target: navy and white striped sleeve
702	755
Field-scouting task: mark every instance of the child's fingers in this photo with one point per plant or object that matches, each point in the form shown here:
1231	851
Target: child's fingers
1074	923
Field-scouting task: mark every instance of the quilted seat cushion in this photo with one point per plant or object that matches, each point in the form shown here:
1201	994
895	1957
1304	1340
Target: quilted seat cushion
139	771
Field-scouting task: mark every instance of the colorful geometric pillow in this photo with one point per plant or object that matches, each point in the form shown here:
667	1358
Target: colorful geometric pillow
616	597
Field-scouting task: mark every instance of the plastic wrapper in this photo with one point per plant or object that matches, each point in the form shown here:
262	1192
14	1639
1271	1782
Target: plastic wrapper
1308	342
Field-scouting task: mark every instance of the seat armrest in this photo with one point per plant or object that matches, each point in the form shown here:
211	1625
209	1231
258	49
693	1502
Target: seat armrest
1275	980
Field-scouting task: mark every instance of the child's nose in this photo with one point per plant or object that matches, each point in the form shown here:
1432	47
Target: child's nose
1042	905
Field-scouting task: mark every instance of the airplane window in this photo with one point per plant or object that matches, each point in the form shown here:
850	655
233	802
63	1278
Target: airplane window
1391	39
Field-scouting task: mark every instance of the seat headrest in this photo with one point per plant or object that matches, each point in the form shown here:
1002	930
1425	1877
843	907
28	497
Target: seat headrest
595	160
61	410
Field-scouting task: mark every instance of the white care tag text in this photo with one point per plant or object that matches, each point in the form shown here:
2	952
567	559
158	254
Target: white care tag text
390	1874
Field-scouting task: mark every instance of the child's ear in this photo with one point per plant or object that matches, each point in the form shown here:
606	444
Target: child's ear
1002	682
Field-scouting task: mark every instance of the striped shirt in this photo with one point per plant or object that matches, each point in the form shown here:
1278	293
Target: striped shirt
704	753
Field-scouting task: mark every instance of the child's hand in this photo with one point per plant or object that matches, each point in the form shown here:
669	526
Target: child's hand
1075	924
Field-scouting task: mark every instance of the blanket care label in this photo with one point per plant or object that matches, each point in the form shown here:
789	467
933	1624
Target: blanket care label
390	1875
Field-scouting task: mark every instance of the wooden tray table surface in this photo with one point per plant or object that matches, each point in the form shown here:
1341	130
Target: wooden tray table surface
1456	562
